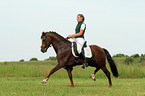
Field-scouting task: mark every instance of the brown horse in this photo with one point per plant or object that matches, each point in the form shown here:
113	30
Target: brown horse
66	60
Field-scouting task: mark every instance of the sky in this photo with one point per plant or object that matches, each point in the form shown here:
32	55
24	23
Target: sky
117	25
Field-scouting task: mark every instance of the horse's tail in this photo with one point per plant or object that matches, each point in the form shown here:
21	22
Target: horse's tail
111	63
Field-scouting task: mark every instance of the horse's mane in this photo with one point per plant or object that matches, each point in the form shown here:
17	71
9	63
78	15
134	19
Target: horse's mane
58	35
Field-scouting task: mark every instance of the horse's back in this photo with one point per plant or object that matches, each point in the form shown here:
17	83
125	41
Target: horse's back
97	51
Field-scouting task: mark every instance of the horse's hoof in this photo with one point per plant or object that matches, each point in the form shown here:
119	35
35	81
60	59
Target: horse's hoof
110	85
43	82
93	77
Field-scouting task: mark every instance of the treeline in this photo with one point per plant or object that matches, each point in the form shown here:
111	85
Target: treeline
35	59
129	59
134	55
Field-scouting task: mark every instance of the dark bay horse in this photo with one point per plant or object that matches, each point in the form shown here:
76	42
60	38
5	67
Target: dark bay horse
66	60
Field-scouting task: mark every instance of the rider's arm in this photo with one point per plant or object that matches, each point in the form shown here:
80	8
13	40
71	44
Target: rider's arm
78	34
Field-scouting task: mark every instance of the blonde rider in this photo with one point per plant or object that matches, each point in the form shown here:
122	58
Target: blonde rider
79	37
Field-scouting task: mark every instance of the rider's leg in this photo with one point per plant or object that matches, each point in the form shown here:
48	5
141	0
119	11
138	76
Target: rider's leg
80	43
82	55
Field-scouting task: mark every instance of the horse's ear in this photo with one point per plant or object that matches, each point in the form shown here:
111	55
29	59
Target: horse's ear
42	34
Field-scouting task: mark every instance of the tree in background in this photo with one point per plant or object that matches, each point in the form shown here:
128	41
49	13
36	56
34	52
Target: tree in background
22	60
120	55
135	56
33	59
51	58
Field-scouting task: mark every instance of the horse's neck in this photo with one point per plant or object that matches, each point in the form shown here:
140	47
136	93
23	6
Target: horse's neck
58	43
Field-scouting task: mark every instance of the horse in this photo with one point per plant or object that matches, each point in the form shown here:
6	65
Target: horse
66	60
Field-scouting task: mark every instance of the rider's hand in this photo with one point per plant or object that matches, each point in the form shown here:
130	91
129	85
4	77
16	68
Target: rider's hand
69	36
73	36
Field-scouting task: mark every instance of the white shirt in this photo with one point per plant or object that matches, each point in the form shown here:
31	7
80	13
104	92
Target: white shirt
83	26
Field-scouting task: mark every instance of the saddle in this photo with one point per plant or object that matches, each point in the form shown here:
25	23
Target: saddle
86	49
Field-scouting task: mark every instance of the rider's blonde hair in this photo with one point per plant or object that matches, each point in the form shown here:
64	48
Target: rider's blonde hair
81	15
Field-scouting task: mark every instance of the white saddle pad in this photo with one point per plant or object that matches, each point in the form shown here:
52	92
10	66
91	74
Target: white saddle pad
87	50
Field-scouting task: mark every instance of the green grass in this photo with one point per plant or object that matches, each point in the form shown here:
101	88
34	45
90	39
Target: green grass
24	79
24	86
42	68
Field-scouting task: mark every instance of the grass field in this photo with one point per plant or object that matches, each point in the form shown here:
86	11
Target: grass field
24	86
24	79
42	68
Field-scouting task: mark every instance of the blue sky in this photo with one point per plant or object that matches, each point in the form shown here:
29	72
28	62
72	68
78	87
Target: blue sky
117	25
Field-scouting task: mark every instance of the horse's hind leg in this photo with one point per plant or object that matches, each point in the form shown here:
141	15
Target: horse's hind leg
105	70
93	74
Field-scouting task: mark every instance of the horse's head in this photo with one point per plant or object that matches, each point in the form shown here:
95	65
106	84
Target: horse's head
46	41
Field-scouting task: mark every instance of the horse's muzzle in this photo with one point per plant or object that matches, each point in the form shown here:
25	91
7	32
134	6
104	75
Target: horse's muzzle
43	50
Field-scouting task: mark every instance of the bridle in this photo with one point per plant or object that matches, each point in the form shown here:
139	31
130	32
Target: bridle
46	40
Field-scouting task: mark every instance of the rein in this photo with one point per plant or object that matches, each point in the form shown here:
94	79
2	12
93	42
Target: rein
54	43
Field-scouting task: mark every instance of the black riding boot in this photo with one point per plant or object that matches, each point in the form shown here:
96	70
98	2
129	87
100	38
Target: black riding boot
84	60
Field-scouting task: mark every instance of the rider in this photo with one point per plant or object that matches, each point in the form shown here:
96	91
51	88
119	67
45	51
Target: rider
79	37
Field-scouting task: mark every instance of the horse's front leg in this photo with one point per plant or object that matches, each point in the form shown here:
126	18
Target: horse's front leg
69	70
52	71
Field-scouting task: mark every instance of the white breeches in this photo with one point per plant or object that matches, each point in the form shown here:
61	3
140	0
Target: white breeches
80	42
